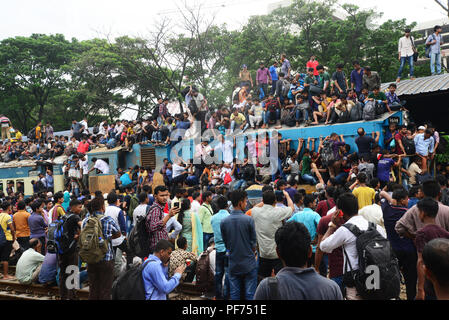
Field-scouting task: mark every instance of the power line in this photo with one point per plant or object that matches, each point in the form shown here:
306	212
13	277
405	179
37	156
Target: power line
223	4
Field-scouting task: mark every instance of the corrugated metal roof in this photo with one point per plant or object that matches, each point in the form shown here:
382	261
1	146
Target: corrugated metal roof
421	85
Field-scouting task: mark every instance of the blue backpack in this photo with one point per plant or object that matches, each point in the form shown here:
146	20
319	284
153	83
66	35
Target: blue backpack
58	239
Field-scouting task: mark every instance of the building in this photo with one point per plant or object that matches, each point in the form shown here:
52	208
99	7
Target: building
425	29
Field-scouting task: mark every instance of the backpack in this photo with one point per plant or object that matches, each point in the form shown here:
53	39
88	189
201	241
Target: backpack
93	246
139	237
31	135
356	112
193	107
327	154
133	204
204	276
379	109
96	130
2	237
409	146
285	88
291	121
58	239
130	285
369	111
344	117
374	250
236	95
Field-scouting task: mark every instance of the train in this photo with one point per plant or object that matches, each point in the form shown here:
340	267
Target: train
147	155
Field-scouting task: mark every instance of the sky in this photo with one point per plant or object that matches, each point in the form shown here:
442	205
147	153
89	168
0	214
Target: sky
87	19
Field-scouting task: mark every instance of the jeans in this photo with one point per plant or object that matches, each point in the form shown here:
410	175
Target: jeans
206	238
279	169
264	87
435	59
266	266
156	136
249	282
267	116
309	178
233	126
405	165
403	61
238	184
273	86
221	270
407	264
339	281
302	112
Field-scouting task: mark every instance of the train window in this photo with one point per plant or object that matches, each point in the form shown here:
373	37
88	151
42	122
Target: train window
10	187
1	187
20	186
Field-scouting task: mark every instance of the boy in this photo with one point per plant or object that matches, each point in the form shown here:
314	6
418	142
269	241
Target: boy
393	100
428	210
380	97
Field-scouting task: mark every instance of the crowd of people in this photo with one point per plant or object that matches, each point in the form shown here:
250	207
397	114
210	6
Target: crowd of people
239	230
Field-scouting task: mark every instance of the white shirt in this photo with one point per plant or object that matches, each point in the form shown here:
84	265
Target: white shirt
113	212
374	214
212	256
226	149
195	206
102	166
343	237
173	223
405	47
139	211
177	170
84	165
267	221
84	124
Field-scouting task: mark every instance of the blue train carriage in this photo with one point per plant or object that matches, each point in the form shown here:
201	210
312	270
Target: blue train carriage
19	174
119	157
186	149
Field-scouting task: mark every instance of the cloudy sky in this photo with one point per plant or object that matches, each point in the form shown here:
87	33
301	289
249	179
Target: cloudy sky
85	19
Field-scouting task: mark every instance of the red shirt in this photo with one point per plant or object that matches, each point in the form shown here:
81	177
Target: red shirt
336	257
323	207
313	64
398	137
83	147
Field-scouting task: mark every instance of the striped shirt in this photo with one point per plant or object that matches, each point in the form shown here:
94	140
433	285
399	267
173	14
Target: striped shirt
154	225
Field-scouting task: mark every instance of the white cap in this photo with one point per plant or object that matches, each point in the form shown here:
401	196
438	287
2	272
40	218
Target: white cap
422	128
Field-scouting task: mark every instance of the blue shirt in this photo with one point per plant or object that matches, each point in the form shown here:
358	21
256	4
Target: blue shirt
391	215
49	268
37	225
435	48
412	202
125	179
424	146
310	219
155	280
383	169
239	236
215	221
357	79
274	74
49	181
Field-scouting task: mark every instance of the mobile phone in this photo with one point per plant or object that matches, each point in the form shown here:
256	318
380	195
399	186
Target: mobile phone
176	205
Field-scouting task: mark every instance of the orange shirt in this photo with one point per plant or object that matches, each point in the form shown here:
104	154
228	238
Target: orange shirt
20	219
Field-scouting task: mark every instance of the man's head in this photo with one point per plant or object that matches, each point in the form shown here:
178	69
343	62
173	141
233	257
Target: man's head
367	70
428	208
361	177
281	185
207	197
376	90
437	29
356	65
427	134
222	203
269	198
310	71
348	204
161	194
35	244
293	244
407	32
436	263
112	198
361	132
431	189
340	67
401	197
182	243
163	250
310	201
76	206
58	197
238	199
320	68
261	65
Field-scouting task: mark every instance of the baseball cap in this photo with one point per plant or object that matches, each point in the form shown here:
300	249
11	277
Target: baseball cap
244	66
49	194
422	128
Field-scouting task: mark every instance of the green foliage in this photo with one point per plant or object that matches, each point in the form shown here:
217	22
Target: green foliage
50	78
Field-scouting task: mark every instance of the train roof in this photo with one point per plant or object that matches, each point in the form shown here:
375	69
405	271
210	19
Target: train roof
104	150
32	163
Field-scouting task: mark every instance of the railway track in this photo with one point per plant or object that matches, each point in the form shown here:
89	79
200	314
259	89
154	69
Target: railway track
13	290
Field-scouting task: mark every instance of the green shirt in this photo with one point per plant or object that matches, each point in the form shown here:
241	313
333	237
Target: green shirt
323	78
380	96
306	161
205	215
309	80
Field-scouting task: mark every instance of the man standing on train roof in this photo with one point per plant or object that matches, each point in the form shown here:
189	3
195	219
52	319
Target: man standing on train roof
101	165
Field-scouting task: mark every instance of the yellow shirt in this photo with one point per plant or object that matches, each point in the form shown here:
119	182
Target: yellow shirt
5	220
239	119
365	196
38	132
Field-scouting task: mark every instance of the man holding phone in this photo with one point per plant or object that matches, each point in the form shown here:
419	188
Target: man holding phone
336	237
156	220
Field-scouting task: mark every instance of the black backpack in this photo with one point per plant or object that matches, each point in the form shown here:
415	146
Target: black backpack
379	109
139	237
409	146
374	250
193	107
344	117
58	238
130	285
356	112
